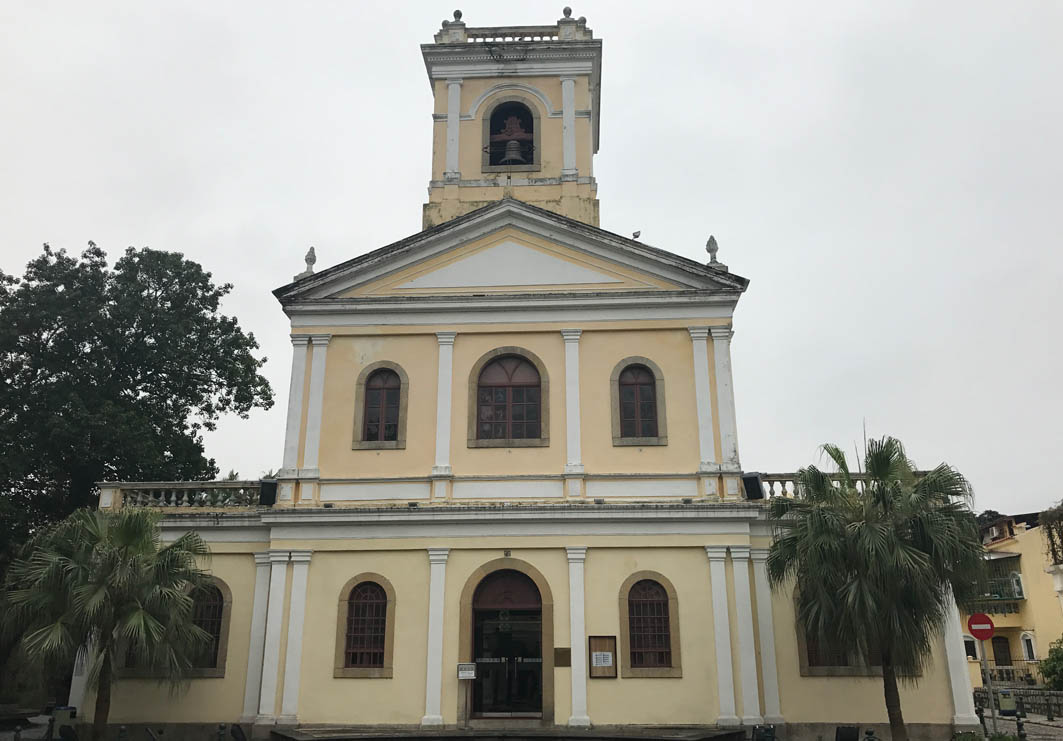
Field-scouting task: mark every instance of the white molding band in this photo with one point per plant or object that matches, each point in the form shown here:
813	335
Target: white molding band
257	647
747	646
721	631
769	672
312	442
444	383
295	402
703	399
271	657
574	463
433	692
956	660
293	657
568	128
577	635
453	170
725	396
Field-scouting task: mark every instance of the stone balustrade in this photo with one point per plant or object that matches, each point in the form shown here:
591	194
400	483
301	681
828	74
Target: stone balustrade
180	494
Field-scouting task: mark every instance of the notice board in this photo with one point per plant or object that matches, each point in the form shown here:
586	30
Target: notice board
602	657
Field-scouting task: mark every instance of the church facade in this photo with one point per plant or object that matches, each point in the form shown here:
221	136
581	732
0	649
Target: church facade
511	493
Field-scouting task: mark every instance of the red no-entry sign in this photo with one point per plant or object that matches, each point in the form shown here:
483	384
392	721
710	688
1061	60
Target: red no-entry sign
981	626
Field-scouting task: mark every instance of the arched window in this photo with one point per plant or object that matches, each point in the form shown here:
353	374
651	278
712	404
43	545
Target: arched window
382	393
511	136
208	608
367	609
648	625
970	647
508	398
638	402
1029	648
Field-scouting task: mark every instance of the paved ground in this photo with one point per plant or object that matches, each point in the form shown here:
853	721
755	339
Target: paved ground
1038	728
38	727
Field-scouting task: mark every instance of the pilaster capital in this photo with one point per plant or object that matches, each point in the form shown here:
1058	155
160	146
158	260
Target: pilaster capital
300	340
446	338
576	553
740	552
568	78
716	552
438	555
318	340
278	557
721	333
262	559
759	555
698	333
454	81
301	556
571	335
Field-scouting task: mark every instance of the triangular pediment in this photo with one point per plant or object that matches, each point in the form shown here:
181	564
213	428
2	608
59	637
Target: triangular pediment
510	247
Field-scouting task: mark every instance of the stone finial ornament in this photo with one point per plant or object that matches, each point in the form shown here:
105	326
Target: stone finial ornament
309	259
567	11
457	15
712	248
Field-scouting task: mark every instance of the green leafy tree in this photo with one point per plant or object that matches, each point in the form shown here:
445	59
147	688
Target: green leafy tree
875	565
112	374
1052	666
102	580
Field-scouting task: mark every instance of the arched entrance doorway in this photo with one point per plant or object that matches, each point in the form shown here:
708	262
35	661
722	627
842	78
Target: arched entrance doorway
507	646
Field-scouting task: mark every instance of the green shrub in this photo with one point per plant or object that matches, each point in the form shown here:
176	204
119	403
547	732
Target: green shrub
1052	666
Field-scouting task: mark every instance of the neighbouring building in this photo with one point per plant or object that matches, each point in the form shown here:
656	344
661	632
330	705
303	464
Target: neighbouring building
1024	599
511	454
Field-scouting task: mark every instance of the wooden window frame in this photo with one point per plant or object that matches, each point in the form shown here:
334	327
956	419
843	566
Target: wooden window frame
628	671
544	402
199	672
340	670
614	393
536	164
359	408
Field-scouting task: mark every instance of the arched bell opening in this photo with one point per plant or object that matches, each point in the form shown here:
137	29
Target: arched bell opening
511	136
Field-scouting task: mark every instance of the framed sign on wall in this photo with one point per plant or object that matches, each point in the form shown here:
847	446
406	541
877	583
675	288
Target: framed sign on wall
602	659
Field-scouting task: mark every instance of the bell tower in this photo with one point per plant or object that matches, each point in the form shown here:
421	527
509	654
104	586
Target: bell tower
516	114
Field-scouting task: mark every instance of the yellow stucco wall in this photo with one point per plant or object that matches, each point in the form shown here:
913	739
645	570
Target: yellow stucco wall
692	699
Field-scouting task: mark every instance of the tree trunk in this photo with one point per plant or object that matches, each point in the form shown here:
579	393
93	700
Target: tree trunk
893	699
103	700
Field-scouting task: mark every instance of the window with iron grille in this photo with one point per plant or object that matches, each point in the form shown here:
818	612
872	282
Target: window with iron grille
367	609
650	640
638	402
382	391
208	606
508	400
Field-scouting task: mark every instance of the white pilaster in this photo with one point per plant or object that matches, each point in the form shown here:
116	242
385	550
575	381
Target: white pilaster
572	425
444	391
769	672
956	659
568	128
452	171
747	646
577	635
253	684
721	630
271	656
703	399
293	657
1056	570
433	694
725	396
318	354
295	404
79	679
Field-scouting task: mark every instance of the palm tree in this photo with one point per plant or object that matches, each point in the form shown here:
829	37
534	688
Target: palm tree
103	581
875	559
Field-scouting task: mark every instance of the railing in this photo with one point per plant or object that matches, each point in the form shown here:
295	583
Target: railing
995	606
1017	673
191	494
512	33
785	484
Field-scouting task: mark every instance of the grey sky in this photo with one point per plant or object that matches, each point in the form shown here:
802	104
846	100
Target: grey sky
888	175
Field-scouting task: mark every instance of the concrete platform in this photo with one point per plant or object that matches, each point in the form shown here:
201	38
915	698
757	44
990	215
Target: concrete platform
601	733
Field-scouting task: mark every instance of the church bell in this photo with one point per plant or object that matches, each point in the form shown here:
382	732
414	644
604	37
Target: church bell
513	155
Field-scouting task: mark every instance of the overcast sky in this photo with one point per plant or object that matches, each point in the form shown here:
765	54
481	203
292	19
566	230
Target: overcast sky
889	176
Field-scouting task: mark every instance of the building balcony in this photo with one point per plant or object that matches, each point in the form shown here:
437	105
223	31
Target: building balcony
180	495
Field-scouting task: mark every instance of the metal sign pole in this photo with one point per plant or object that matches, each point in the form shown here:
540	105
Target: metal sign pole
988	684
